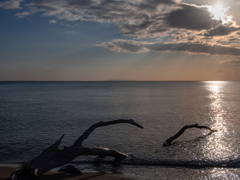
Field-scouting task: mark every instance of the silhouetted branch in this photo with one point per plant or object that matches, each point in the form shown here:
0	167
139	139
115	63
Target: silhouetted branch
85	135
169	140
52	157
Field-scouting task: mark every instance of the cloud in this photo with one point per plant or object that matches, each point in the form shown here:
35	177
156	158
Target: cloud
52	21
231	61
121	45
191	48
141	18
190	17
11	4
221	30
23	14
152	5
210	3
183	27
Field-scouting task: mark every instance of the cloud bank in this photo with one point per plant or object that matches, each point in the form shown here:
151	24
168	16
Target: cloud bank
179	26
136	46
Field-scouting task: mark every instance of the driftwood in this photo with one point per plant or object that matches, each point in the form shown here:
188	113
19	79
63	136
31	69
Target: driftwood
169	140
53	157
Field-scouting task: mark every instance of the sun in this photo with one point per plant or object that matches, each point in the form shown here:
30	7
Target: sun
218	12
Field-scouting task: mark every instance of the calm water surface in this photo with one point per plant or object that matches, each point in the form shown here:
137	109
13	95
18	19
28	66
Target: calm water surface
33	115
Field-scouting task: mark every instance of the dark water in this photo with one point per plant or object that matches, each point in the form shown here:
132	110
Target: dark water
33	115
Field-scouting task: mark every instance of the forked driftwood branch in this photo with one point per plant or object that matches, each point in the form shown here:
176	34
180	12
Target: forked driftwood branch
53	157
168	142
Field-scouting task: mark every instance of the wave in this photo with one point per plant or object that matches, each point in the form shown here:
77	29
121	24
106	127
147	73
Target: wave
171	163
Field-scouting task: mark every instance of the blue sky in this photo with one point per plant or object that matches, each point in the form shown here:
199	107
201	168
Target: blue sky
119	40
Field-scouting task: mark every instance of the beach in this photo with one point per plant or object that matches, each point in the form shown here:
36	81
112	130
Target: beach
5	172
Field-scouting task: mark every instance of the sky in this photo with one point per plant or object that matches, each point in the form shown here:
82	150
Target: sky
97	40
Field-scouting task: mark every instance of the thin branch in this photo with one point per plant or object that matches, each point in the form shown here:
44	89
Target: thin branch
169	140
85	135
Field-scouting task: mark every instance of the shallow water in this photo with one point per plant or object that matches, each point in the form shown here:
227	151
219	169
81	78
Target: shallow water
33	115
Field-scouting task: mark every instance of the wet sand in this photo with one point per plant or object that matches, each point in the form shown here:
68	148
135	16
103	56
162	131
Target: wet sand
5	172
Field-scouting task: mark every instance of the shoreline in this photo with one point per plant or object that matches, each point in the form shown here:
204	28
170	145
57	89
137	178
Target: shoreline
7	169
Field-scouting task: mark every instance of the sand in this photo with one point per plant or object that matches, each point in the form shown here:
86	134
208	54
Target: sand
5	172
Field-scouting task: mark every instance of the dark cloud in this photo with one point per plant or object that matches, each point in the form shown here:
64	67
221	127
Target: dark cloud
150	27
134	46
221	31
123	46
190	38
190	17
196	48
233	39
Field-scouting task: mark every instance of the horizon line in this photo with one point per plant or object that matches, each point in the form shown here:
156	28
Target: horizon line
111	80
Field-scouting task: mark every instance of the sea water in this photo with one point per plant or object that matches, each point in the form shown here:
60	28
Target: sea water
34	115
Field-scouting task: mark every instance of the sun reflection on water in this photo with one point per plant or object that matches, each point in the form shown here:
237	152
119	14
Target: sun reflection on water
216	110
218	146
220	173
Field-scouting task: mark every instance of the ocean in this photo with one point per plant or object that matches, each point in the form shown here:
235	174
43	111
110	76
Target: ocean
34	115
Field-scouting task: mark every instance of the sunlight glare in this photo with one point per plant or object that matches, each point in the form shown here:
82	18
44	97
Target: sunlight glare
217	113
218	12
215	88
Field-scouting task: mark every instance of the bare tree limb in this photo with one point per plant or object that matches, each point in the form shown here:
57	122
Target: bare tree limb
85	135
53	157
181	131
